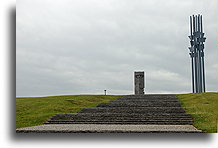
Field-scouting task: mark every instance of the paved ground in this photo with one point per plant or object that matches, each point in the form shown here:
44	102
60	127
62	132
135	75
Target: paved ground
104	128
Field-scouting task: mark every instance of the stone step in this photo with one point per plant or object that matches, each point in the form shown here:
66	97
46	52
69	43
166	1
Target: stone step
121	118
138	110
140	113
149	97
116	115
130	114
143	101
140	104
108	128
130	110
123	122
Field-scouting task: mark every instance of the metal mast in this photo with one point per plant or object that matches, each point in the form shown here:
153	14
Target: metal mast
197	40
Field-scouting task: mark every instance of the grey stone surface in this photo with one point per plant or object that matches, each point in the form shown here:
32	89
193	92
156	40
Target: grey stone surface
136	110
139	104
139	83
133	109
104	128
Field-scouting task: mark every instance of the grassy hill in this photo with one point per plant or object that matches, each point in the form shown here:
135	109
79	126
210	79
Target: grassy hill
31	111
203	107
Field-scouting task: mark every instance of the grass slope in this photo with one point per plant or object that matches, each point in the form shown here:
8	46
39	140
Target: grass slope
203	107
31	111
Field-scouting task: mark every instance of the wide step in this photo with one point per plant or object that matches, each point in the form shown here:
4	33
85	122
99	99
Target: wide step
136	110
130	110
103	116
122	122
140	104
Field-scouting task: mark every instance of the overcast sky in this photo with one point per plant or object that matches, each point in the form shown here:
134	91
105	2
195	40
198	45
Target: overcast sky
86	46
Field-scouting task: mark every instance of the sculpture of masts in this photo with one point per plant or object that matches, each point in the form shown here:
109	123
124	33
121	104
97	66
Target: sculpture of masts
197	40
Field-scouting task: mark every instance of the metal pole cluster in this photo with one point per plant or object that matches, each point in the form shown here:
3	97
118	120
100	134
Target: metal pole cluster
197	40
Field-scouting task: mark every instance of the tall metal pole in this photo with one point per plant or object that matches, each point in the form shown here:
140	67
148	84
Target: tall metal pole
192	60
197	52
192	54
202	54
199	56
195	57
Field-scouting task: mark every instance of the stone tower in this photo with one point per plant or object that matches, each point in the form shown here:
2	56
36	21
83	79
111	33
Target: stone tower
139	83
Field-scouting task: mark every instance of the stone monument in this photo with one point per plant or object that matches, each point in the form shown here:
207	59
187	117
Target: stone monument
139	83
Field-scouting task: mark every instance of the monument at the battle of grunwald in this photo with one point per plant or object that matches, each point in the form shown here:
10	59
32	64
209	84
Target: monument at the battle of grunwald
139	83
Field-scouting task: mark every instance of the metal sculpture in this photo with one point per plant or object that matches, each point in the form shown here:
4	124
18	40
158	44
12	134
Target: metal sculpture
197	40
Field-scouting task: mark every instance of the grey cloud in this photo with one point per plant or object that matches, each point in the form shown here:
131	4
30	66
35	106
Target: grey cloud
76	47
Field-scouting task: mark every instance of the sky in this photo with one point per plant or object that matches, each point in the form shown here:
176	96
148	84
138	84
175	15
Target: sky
69	47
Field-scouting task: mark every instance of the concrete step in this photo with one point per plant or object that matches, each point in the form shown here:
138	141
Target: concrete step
120	118
139	104
138	110
130	114
123	119
130	110
149	97
133	113
108	128
123	122
118	115
143	101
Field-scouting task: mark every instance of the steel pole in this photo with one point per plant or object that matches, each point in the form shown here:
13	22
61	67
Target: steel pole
195	57
199	57
193	87
197	54
191	55
202	55
203	72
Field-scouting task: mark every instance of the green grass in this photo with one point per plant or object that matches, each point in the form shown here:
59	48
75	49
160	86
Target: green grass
31	111
203	108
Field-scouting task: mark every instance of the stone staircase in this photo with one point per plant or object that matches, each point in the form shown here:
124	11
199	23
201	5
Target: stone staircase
130	110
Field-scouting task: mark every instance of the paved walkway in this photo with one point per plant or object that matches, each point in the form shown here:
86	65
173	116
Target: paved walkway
104	128
134	113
